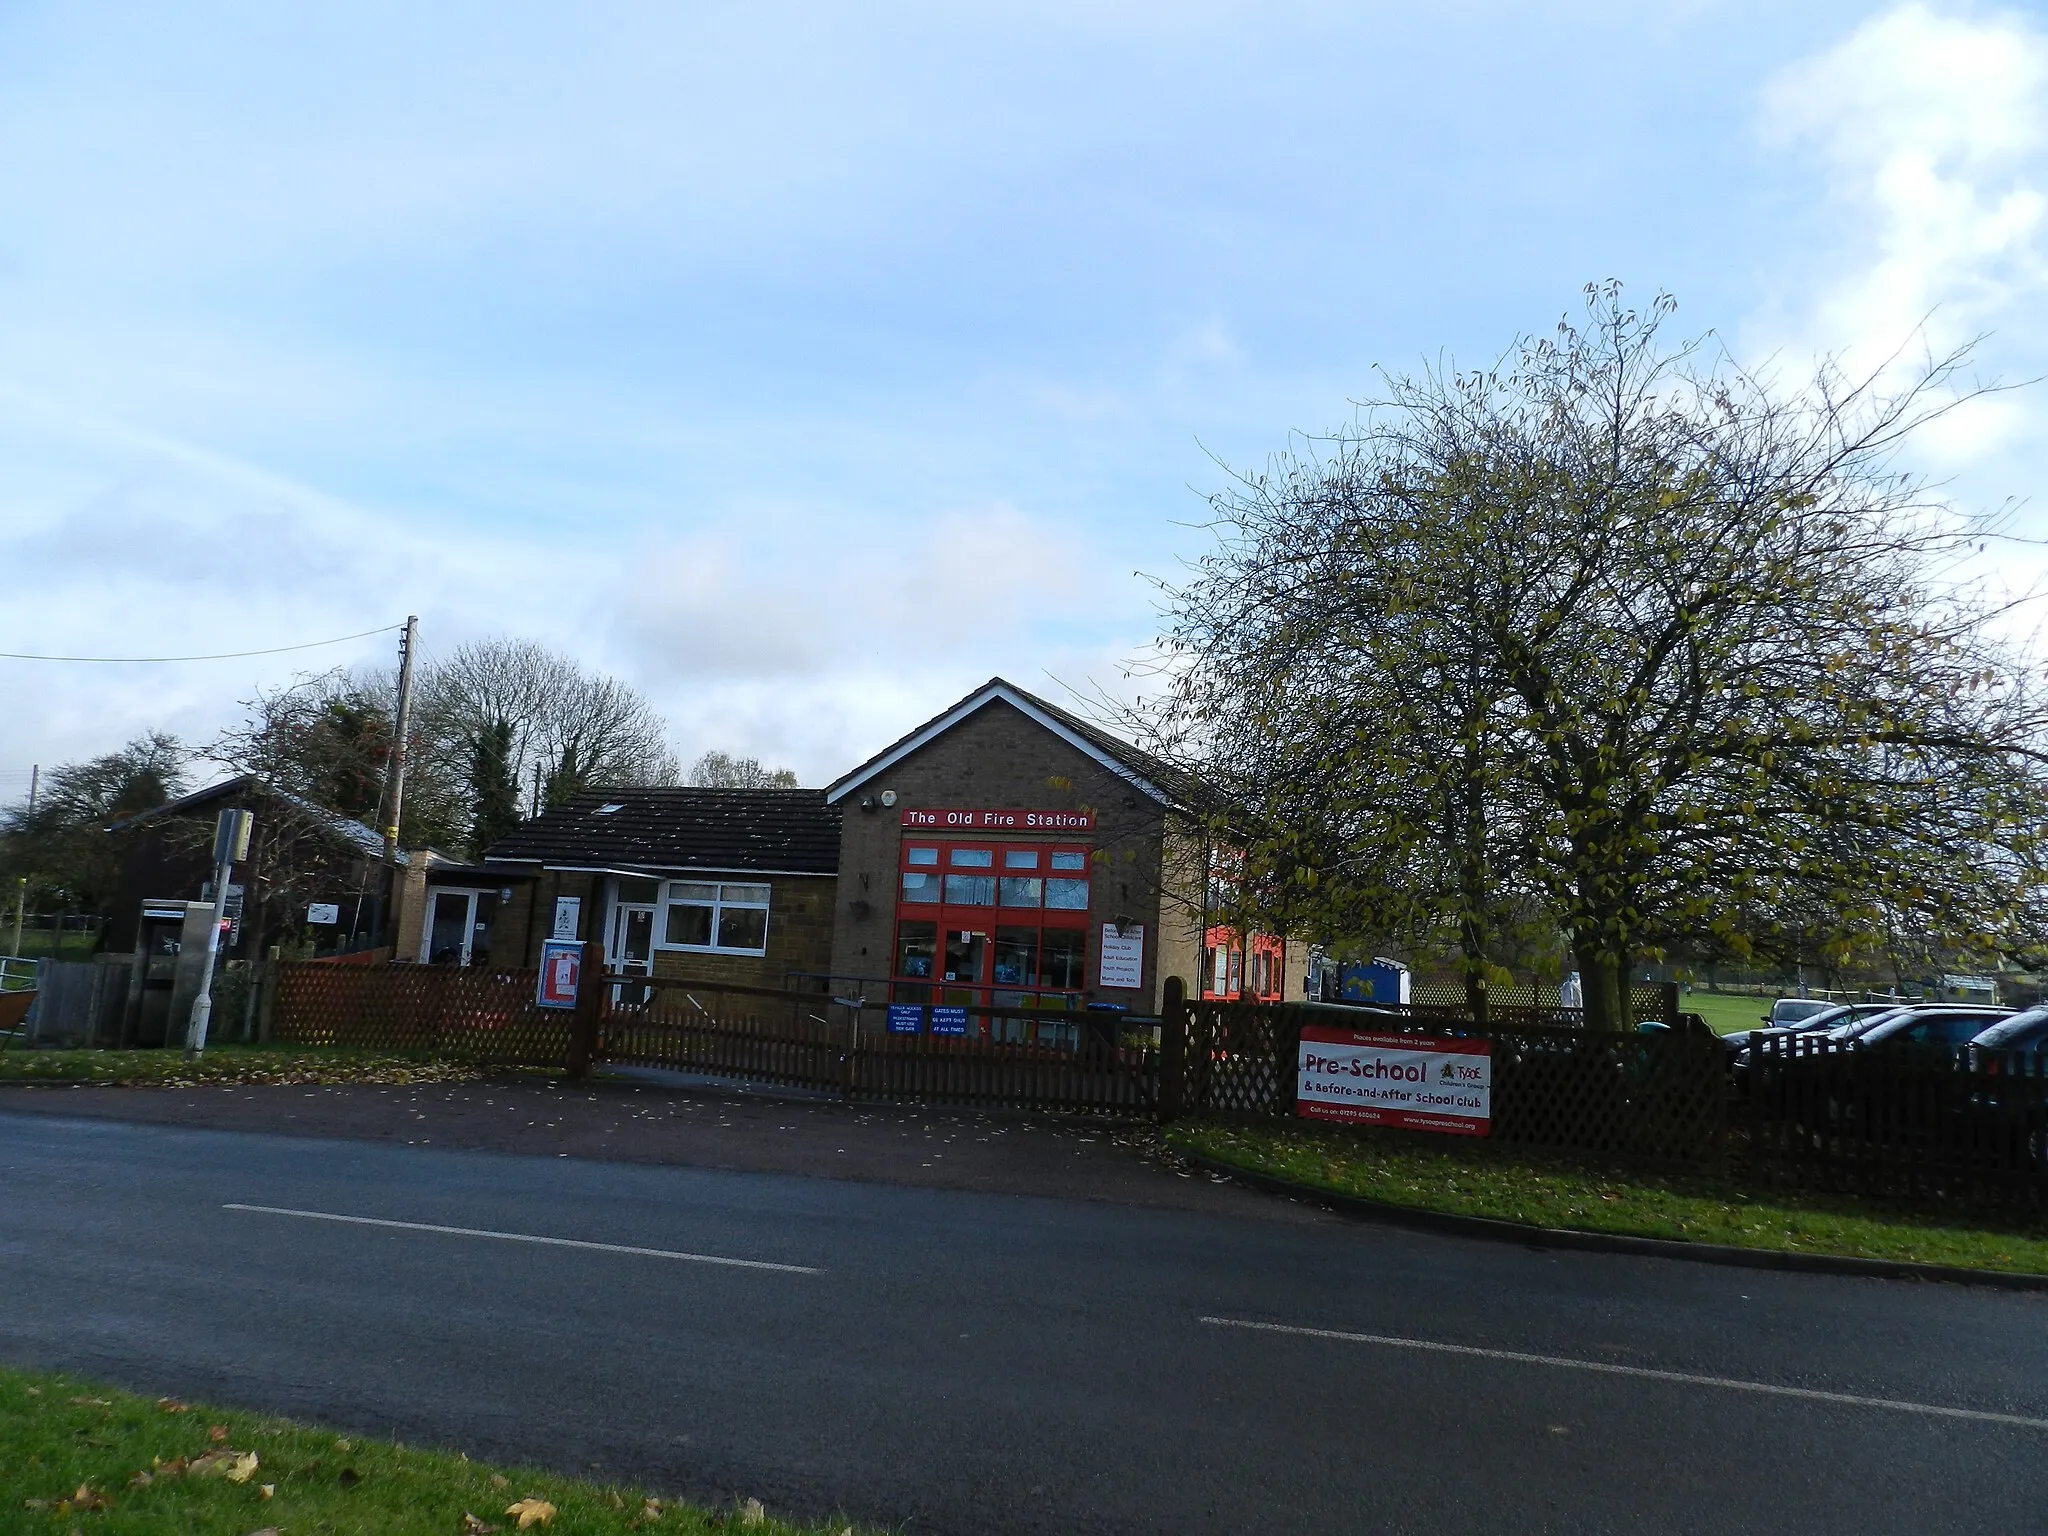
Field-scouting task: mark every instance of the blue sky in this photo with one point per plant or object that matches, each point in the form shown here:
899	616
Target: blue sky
806	364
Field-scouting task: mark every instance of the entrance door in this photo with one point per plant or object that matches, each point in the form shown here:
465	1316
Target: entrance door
631	950
449	925
458	928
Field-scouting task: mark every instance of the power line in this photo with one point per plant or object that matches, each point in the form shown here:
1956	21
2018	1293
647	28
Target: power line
275	650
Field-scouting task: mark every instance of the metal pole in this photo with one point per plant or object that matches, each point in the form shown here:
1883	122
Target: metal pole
394	799
401	731
35	779
230	842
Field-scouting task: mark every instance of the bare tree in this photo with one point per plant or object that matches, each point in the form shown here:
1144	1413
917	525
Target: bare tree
721	770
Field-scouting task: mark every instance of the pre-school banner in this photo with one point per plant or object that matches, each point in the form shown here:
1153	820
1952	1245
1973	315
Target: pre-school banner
1422	1082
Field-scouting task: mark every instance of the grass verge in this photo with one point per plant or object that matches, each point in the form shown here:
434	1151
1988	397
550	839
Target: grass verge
226	1064
1476	1178
91	1459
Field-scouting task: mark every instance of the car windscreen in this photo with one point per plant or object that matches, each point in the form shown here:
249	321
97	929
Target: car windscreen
1790	1010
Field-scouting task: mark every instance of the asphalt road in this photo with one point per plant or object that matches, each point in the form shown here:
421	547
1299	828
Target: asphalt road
944	1360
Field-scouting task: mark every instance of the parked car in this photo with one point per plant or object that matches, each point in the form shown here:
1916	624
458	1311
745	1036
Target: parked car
1831	1017
1944	1025
1920	1023
1828	1017
1791	1010
2026	1033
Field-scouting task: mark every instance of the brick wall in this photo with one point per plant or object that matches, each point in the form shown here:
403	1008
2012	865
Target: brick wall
999	758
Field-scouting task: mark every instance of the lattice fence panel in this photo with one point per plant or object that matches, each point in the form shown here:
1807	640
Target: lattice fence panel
1660	1096
467	1015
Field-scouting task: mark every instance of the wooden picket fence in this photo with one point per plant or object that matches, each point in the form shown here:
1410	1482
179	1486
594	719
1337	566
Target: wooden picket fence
1925	1123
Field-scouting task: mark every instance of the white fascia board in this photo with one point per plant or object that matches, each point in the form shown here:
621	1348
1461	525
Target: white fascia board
968	706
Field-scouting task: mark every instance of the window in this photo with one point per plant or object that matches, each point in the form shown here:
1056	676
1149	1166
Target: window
992	924
706	915
970	890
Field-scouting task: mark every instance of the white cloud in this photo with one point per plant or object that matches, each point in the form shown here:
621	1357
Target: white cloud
1930	133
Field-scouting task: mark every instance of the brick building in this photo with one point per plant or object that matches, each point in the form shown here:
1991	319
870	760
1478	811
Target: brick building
1009	853
722	885
1005	854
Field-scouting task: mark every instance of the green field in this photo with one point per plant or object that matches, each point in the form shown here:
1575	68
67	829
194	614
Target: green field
1726	1012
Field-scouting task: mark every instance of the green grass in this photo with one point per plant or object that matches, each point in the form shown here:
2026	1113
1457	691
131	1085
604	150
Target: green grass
1478	1178
1725	1012
226	1064
65	1445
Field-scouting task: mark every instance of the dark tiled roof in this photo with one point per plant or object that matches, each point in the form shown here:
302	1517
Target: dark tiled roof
1175	781
789	830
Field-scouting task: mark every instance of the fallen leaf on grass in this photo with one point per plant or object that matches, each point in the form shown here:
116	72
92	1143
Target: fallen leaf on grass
218	1434
500	1480
532	1511
471	1526
267	1490
91	1402
141	1479
752	1513
82	1502
34	1391
172	1405
268	1530
235	1466
341	1445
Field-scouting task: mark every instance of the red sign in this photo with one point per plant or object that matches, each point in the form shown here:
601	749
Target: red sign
561	971
1423	1082
1000	821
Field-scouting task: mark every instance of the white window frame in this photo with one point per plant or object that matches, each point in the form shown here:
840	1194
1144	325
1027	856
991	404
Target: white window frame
718	905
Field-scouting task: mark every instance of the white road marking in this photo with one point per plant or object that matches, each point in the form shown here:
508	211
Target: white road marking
528	1237
1601	1367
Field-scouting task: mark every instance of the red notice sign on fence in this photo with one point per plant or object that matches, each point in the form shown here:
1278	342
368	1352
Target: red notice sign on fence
1421	1082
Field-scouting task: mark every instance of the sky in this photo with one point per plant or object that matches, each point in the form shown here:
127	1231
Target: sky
806	365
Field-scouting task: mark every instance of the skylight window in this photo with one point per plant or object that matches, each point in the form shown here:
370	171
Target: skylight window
606	810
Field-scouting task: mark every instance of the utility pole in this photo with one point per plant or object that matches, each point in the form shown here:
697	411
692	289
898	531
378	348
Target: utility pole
230	847
35	780
394	797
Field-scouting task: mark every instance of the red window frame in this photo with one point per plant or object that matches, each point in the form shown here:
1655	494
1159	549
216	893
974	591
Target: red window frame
985	921
1248	962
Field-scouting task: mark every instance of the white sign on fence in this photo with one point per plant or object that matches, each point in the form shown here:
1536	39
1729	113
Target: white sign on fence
1423	1082
324	913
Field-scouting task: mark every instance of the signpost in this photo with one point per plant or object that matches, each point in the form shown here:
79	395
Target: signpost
1420	1082
230	846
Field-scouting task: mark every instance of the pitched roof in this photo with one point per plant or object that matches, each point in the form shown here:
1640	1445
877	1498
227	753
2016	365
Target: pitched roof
748	831
365	840
1152	775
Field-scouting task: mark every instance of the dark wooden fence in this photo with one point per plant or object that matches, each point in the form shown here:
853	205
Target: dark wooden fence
1924	1123
486	1016
793	1039
1930	1125
1659	1097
